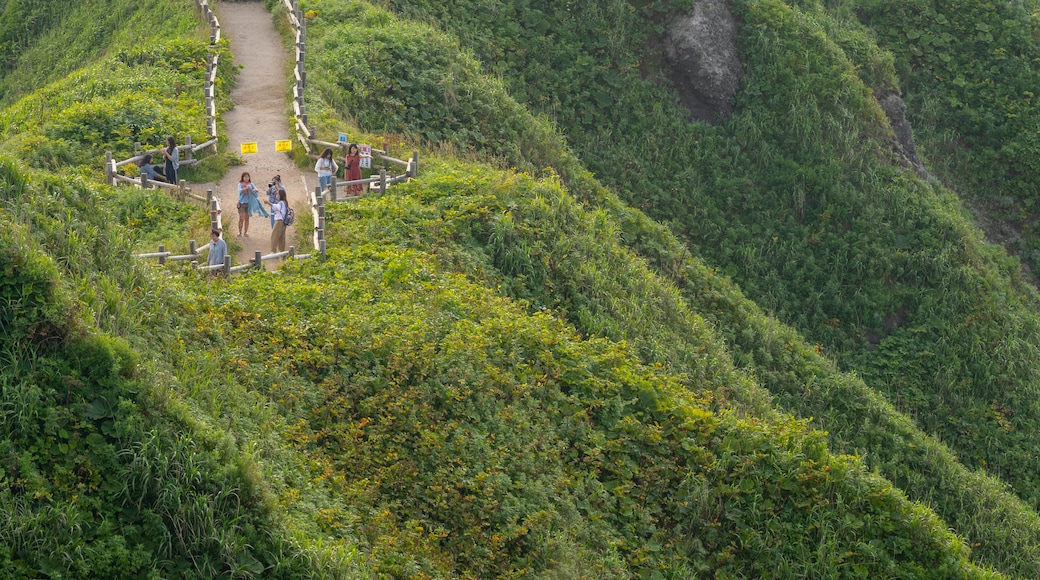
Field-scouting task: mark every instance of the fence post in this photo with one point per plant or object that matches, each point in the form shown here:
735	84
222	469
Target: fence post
413	167
144	181
187	151
382	180
181	190
259	260
212	210
318	200
227	265
332	189
162	259
109	173
321	244
191	248
292	251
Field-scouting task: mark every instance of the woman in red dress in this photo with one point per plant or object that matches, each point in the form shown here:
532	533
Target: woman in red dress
352	169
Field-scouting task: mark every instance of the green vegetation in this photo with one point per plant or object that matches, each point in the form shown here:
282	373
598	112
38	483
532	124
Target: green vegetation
800	198
503	370
42	41
969	70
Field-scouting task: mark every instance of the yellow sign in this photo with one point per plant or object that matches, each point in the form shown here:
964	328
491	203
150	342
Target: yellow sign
248	148
283	145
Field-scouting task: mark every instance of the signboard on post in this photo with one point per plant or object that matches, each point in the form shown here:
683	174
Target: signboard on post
343	138
283	145
249	148
366	156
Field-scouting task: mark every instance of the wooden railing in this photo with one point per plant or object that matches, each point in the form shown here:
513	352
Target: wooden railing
305	135
194	255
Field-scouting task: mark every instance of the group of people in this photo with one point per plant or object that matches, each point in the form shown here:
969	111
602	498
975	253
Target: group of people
249	195
326	167
249	203
168	172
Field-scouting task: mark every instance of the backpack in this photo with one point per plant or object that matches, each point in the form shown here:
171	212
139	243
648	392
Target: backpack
290	216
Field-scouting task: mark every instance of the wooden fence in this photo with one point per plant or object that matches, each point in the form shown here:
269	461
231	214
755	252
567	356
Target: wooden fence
194	255
305	135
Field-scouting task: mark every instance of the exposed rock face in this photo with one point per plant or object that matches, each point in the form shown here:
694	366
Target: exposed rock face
895	110
702	50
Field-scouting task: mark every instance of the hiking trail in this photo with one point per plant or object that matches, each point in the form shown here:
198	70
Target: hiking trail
259	115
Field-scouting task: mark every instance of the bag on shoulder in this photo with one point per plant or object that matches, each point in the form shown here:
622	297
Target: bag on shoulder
290	216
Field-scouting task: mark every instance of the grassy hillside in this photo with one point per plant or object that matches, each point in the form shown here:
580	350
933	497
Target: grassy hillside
558	272
800	198
384	417
495	373
968	70
42	41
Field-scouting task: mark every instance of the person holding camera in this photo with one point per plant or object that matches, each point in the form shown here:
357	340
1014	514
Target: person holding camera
273	187
217	251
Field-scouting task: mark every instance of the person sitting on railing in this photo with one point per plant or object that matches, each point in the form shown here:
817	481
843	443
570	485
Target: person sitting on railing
273	187
352	170
217	250
149	171
326	168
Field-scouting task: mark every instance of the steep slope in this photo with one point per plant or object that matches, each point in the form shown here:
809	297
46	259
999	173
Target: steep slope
968	70
381	413
552	268
803	198
42	41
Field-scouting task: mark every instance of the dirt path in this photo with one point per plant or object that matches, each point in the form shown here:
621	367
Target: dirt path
260	116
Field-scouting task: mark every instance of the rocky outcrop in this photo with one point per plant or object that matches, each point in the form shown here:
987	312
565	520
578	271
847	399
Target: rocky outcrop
895	110
701	48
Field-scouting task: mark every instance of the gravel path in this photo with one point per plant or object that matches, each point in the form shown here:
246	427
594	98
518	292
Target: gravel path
260	115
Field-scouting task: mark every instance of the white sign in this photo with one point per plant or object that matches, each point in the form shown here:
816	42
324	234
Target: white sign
366	156
343	138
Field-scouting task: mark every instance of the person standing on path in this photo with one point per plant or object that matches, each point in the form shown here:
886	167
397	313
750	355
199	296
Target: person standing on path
172	157
248	202
273	187
352	169
326	168
278	209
